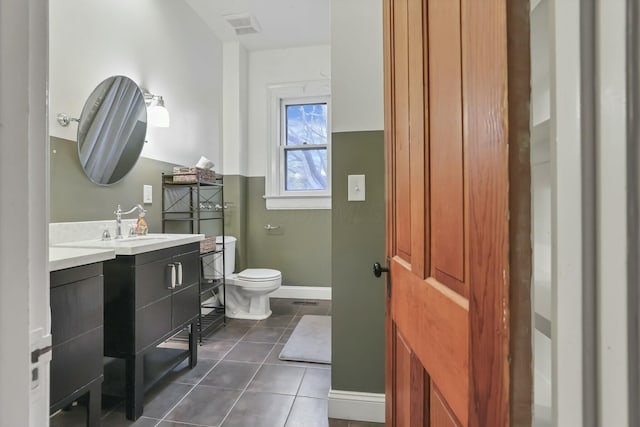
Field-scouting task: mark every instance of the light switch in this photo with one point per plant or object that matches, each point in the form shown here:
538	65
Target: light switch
147	191
356	191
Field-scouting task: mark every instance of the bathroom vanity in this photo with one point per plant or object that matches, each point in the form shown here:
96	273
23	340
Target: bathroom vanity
76	301
151	293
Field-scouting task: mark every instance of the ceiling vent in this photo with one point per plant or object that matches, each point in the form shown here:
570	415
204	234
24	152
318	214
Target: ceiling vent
243	23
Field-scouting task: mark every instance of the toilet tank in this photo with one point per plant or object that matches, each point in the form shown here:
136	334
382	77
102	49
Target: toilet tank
229	255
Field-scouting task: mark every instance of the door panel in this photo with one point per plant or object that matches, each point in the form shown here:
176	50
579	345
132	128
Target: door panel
447	110
441	416
446	166
419	304
402	157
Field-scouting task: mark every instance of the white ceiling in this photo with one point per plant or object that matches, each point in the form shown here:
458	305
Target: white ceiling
284	23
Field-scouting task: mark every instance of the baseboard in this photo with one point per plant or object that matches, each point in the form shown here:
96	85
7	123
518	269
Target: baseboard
357	406
303	292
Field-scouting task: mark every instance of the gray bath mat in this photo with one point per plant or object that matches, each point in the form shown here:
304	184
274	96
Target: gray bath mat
310	341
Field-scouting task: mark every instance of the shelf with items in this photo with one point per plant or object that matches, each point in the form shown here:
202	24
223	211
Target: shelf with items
194	203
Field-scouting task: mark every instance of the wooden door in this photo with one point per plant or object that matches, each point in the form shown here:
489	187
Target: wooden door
456	131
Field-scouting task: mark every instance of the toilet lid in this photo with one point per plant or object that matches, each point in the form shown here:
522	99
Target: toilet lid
258	274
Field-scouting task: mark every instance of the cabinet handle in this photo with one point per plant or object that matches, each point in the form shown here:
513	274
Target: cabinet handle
173	276
179	264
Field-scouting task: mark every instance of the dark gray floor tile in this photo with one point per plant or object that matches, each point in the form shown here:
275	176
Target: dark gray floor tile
284	307
119	420
74	417
264	335
285	335
204	406
272	359
173	424
260	409
315	383
245	323
314	309
249	352
228	333
308	412
214	350
184	375
233	375
161	398
295	321
277	379
277	320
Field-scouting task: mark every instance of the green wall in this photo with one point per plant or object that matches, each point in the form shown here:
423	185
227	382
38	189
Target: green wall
357	241
300	248
235	216
75	198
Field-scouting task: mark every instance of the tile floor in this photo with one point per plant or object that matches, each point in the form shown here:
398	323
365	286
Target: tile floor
238	382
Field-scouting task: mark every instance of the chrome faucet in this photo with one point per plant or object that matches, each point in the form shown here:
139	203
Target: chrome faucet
118	212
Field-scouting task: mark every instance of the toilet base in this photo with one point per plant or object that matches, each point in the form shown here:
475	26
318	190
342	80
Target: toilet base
248	316
245	305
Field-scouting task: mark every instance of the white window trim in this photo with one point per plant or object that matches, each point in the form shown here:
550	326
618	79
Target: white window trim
275	196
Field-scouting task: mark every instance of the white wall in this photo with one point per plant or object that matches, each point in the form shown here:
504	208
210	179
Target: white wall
234	109
163	46
277	66
357	65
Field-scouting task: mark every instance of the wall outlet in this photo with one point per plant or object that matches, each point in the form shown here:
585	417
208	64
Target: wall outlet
147	194
356	191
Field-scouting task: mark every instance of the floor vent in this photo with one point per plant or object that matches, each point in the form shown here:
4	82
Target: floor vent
305	302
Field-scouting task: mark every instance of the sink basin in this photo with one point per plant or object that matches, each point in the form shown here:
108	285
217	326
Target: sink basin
138	244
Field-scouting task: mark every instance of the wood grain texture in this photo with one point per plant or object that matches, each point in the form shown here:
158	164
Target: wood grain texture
520	256
434	320
417	135
402	177
419	393
441	415
446	154
484	65
402	388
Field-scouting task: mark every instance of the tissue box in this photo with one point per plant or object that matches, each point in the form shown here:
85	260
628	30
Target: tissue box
192	174
207	245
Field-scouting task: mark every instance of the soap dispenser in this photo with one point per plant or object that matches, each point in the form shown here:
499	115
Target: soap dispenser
141	226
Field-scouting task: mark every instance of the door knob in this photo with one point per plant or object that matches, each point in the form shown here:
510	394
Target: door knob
379	269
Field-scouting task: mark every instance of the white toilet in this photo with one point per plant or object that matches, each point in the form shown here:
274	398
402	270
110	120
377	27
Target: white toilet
247	292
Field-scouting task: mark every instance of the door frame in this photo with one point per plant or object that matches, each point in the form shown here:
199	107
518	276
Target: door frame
24	210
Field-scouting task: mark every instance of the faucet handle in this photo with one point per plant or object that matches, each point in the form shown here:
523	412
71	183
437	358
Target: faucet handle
106	235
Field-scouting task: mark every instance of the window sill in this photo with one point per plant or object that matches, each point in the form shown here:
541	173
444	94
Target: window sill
297	202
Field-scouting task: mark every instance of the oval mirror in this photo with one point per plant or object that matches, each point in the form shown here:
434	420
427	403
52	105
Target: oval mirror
111	130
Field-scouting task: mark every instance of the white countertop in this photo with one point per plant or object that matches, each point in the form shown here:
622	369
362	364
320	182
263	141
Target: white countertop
135	245
61	258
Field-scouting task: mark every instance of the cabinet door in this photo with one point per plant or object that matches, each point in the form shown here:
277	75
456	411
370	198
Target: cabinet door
152	281
186	303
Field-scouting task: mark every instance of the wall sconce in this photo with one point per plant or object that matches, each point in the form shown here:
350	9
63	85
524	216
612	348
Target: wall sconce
158	115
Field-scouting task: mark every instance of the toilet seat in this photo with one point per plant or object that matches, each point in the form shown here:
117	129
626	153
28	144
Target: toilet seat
258	275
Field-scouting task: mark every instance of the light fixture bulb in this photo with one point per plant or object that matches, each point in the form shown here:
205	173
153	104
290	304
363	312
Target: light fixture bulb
158	115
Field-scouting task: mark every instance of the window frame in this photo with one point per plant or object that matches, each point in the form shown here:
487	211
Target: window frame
276	196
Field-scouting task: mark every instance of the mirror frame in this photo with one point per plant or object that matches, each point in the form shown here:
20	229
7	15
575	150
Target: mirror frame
112	129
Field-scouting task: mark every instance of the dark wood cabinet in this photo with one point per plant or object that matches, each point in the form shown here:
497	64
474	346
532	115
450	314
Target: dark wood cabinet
76	301
148	298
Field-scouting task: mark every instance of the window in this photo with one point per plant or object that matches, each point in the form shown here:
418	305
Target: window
299	176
